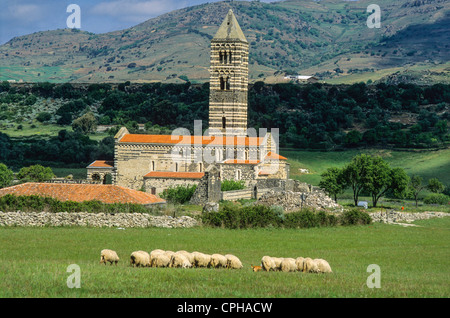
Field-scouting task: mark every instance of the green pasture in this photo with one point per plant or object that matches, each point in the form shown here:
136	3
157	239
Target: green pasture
428	164
413	261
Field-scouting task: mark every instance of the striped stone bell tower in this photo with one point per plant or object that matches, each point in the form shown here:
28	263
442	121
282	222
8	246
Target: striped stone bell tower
228	79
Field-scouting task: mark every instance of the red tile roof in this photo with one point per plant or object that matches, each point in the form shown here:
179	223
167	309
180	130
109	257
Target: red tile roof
245	162
191	140
175	175
105	193
273	155
102	164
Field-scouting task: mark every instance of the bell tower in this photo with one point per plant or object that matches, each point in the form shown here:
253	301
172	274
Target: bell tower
229	79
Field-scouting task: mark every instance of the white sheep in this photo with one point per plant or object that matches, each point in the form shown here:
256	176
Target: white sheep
179	260
310	266
160	260
277	261
267	263
288	265
169	253
218	260
188	255
299	263
201	259
322	266
233	262
140	258
108	256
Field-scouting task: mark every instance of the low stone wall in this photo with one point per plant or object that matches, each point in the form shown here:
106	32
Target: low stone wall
122	220
395	217
237	194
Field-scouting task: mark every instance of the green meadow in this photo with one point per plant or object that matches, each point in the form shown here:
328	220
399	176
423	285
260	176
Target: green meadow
428	164
413	262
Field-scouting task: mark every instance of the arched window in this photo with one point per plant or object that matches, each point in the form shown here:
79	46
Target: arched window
224	122
227	86
222	83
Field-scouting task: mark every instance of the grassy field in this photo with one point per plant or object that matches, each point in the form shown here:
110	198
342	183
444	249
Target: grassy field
413	261
428	164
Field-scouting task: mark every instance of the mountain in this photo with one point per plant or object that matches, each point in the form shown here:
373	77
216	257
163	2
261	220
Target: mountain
329	39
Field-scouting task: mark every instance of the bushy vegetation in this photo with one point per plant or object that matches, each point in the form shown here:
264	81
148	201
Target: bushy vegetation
179	194
230	185
437	198
313	116
257	216
35	203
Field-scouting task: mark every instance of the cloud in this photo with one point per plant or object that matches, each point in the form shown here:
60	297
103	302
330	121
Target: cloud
134	10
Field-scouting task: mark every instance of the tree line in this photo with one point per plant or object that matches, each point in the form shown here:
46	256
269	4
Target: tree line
372	176
311	116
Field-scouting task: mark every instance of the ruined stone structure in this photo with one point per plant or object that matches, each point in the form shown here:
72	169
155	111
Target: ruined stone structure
156	162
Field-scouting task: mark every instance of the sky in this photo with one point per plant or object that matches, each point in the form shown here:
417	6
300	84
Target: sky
21	17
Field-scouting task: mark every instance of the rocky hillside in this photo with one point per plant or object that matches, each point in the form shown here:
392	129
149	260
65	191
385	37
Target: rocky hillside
328	38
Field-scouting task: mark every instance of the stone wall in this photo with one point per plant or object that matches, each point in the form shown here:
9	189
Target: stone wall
396	217
120	220
160	184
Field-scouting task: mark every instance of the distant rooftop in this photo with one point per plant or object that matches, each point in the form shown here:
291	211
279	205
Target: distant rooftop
83	192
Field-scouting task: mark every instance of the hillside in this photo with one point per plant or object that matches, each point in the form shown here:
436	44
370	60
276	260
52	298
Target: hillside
329	39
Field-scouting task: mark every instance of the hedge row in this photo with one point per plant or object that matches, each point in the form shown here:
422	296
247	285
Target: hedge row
261	216
35	203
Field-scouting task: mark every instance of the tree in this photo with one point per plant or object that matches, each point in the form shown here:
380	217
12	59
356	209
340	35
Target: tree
43	117
36	173
356	174
85	124
434	185
6	176
415	186
333	182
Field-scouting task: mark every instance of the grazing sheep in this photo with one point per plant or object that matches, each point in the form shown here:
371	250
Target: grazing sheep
310	266
288	265
157	251
201	260
218	260
322	266
233	262
179	260
108	256
188	255
277	261
160	260
267	263
256	268
299	263
169	253
140	258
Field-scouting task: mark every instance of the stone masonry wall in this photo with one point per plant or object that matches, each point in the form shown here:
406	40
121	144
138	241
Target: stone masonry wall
120	220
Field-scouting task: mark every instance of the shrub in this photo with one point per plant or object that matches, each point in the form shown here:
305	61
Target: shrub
179	194
355	217
230	185
235	217
437	198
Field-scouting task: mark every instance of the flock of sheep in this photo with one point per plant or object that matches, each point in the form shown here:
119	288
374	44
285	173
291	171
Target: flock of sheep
184	259
300	264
